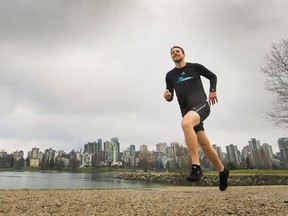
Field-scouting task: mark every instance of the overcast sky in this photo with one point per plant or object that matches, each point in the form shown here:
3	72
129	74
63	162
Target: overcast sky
72	72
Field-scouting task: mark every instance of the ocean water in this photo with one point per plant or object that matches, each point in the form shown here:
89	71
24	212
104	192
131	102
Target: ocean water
55	180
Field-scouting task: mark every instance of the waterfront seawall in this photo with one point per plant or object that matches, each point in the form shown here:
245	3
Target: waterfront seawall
207	180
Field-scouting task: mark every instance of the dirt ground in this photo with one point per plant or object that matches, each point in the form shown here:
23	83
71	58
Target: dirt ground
251	200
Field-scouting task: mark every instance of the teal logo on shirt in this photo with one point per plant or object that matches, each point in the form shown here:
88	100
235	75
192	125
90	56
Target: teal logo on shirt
181	79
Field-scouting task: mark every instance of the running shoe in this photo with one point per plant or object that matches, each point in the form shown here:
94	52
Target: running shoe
223	177
196	174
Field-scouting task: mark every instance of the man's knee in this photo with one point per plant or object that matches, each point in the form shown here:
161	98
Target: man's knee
190	120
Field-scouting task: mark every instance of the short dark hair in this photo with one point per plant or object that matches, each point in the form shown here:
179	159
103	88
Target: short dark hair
177	47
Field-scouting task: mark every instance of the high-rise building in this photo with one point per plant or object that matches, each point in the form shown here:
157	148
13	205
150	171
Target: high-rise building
260	158
283	147
116	150
108	152
225	158
126	152
126	157
133	159
161	147
93	147
233	153
143	157
99	144
247	157
143	149
35	152
254	147
268	150
175	147
35	159
132	150
115	139
218	151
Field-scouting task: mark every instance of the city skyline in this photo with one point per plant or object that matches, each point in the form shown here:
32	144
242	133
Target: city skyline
167	156
122	148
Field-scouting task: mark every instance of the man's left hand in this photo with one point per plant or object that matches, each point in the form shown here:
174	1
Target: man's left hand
213	98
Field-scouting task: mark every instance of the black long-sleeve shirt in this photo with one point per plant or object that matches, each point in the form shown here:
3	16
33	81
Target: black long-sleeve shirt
188	85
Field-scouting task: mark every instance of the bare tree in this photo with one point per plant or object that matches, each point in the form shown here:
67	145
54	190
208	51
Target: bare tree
276	70
74	163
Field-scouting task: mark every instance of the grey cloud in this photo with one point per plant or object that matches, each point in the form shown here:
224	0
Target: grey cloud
95	69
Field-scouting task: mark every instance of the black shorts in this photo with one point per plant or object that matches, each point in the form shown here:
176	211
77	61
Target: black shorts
203	112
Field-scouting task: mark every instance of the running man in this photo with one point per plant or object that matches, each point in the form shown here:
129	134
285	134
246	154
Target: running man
185	80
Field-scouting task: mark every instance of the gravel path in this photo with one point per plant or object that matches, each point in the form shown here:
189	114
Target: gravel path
251	200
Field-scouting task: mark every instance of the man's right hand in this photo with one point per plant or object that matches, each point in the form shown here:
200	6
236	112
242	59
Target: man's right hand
167	95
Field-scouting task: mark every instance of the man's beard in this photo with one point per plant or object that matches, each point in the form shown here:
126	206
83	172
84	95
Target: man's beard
178	60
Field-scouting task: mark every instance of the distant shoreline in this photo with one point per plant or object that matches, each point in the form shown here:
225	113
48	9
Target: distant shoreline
121	170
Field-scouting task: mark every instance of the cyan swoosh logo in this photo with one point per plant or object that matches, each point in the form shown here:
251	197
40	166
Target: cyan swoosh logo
181	79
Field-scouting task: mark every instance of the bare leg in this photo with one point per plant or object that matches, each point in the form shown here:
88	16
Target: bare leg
188	122
209	151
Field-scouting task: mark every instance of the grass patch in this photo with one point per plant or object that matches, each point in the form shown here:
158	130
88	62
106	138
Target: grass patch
254	172
95	170
11	169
